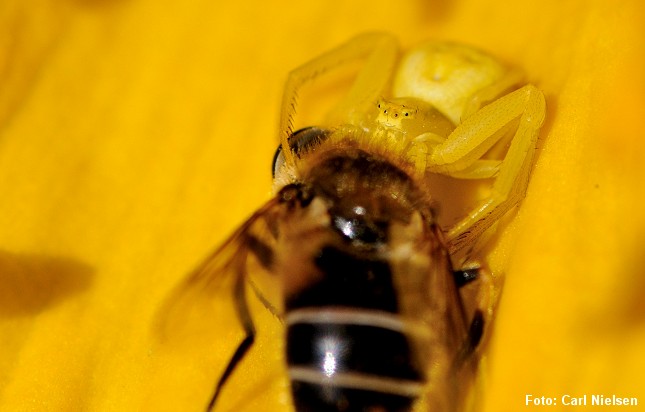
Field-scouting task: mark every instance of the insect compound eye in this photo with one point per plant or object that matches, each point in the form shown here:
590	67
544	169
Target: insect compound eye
278	161
300	141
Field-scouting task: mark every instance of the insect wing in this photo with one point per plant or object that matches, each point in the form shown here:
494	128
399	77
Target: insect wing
430	303
206	297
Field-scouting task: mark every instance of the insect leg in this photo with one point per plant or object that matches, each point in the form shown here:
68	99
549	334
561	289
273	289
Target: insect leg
478	296
472	139
475	333
465	276
380	51
244	315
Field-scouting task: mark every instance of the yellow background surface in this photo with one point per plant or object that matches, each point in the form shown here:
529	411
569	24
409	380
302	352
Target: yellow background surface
135	135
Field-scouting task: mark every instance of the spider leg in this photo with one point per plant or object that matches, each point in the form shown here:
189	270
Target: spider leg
463	149
380	53
511	80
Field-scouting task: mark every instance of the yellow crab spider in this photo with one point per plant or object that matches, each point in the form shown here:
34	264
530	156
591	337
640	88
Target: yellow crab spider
441	106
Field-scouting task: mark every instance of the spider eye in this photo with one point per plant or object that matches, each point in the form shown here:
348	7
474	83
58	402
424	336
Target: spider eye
300	141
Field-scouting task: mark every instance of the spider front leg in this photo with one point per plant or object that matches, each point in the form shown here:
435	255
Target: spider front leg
460	156
379	51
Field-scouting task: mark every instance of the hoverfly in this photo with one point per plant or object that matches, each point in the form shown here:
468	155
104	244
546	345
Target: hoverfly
374	319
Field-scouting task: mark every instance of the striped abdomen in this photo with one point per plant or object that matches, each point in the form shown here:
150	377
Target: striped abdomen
346	346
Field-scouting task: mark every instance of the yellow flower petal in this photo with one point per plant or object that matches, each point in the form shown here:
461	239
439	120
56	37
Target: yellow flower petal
135	135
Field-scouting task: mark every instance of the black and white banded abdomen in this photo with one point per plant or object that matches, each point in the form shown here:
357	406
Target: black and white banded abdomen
346	345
